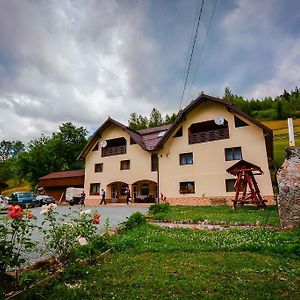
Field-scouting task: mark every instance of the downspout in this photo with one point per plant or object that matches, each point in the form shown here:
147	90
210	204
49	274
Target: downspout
158	189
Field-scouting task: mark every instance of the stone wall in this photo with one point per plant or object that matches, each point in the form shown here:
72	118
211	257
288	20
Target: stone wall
226	200
288	178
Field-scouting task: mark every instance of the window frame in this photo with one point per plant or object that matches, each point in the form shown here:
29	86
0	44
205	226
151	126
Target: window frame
154	162
183	159
125	164
231	152
184	190
97	192
100	165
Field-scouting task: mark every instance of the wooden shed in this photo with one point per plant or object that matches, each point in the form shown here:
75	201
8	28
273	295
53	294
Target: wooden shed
55	184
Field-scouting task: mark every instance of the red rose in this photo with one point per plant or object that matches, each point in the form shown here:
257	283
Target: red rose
96	219
29	215
10	207
15	212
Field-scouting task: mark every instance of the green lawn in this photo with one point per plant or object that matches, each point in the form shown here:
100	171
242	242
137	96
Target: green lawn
154	263
279	146
246	214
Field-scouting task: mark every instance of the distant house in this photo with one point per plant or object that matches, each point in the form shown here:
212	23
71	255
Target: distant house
185	162
55	184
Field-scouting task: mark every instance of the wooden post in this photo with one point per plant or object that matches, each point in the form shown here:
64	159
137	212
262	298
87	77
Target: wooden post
291	132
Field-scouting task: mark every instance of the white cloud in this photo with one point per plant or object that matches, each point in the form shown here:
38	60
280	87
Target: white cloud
82	61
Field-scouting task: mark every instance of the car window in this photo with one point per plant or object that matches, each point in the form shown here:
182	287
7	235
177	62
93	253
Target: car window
24	195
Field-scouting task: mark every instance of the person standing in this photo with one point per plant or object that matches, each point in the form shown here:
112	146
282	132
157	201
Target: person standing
82	199
128	196
103	197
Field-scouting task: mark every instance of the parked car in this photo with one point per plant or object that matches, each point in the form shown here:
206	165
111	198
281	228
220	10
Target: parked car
23	199
44	199
3	202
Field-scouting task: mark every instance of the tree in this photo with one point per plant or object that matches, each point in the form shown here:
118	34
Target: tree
155	118
49	154
10	149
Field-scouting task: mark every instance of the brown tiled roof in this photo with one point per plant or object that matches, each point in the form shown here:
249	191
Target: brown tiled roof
154	129
151	136
64	174
149	140
146	138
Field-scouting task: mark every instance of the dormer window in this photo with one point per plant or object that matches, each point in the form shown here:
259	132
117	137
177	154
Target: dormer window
161	134
239	122
96	147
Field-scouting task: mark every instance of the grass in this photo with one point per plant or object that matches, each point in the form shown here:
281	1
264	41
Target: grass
246	214
279	124
154	263
281	140
24	187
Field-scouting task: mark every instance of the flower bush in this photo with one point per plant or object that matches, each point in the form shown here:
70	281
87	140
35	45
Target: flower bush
68	231
15	237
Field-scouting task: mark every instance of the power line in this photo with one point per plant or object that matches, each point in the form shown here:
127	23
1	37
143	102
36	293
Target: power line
191	56
202	48
188	50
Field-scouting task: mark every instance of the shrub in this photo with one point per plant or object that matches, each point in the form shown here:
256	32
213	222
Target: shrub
69	231
15	237
30	277
135	220
159	208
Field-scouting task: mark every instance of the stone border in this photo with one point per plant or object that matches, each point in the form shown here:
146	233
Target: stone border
208	225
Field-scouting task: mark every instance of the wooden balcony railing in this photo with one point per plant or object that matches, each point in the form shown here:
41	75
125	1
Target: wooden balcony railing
109	151
208	136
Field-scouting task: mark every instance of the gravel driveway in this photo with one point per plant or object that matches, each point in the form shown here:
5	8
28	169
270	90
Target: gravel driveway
115	213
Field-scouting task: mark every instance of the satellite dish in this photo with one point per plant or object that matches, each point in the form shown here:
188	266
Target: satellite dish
103	144
219	120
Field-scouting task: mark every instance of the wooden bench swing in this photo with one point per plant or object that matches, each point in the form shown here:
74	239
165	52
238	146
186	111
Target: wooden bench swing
246	188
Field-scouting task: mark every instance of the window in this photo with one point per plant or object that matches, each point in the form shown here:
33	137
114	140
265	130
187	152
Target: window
233	153
239	123
98	168
154	162
94	188
187	187
186	158
230	185
161	134
132	142
96	147
124	188
145	189
125	164
178	133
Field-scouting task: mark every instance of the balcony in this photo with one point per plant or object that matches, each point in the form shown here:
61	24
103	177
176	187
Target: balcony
208	136
109	151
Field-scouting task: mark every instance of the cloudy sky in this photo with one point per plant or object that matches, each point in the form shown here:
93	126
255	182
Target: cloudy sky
85	60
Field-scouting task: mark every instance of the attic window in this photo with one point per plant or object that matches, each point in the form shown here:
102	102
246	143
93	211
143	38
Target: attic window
161	134
96	147
178	133
132	141
239	122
